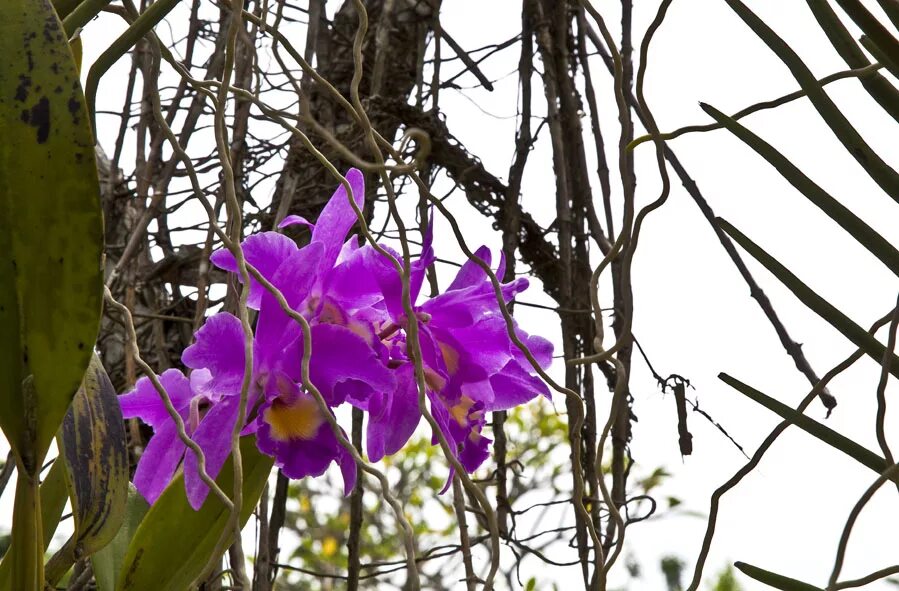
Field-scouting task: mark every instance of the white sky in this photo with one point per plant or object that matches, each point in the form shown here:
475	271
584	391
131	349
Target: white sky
693	314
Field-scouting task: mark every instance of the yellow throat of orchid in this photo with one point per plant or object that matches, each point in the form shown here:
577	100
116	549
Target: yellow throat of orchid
297	420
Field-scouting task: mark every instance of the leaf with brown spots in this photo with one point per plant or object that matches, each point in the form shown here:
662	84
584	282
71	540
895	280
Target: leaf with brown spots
51	239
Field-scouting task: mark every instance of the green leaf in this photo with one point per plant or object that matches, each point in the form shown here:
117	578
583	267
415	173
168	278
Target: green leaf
174	542
873	28
51	242
51	229
773	579
852	449
81	14
96	458
880	89
53	501
64	7
874	165
862	232
816	303
148	19
92	444
879	55
108	562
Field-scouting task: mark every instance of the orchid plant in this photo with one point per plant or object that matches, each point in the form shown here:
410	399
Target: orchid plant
351	297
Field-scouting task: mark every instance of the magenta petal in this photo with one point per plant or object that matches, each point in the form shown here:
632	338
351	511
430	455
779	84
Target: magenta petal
389	430
159	461
219	347
265	251
474	451
347	470
145	403
513	386
465	440
485	344
351	284
464	307
274	328
214	438
293	220
338	217
340	356
471	274
381	269
540	348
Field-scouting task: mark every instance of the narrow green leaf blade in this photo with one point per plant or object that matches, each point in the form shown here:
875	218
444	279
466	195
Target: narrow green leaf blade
816	303
773	579
852	449
873	28
876	244
880	89
868	159
174	542
51	229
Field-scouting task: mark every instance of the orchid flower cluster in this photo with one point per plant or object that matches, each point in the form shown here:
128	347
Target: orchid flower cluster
351	297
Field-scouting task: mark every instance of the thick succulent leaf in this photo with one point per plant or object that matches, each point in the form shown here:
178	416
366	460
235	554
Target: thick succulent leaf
816	303
53	501
96	458
773	579
173	543
876	244
852	449
108	562
51	229
874	165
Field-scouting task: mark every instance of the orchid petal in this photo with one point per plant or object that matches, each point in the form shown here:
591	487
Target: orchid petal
159	461
513	386
340	356
338	216
213	436
264	251
293	220
145	403
389	430
274	328
219	347
471	274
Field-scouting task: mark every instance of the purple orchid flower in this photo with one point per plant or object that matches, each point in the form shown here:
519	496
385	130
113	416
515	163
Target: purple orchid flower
471	365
